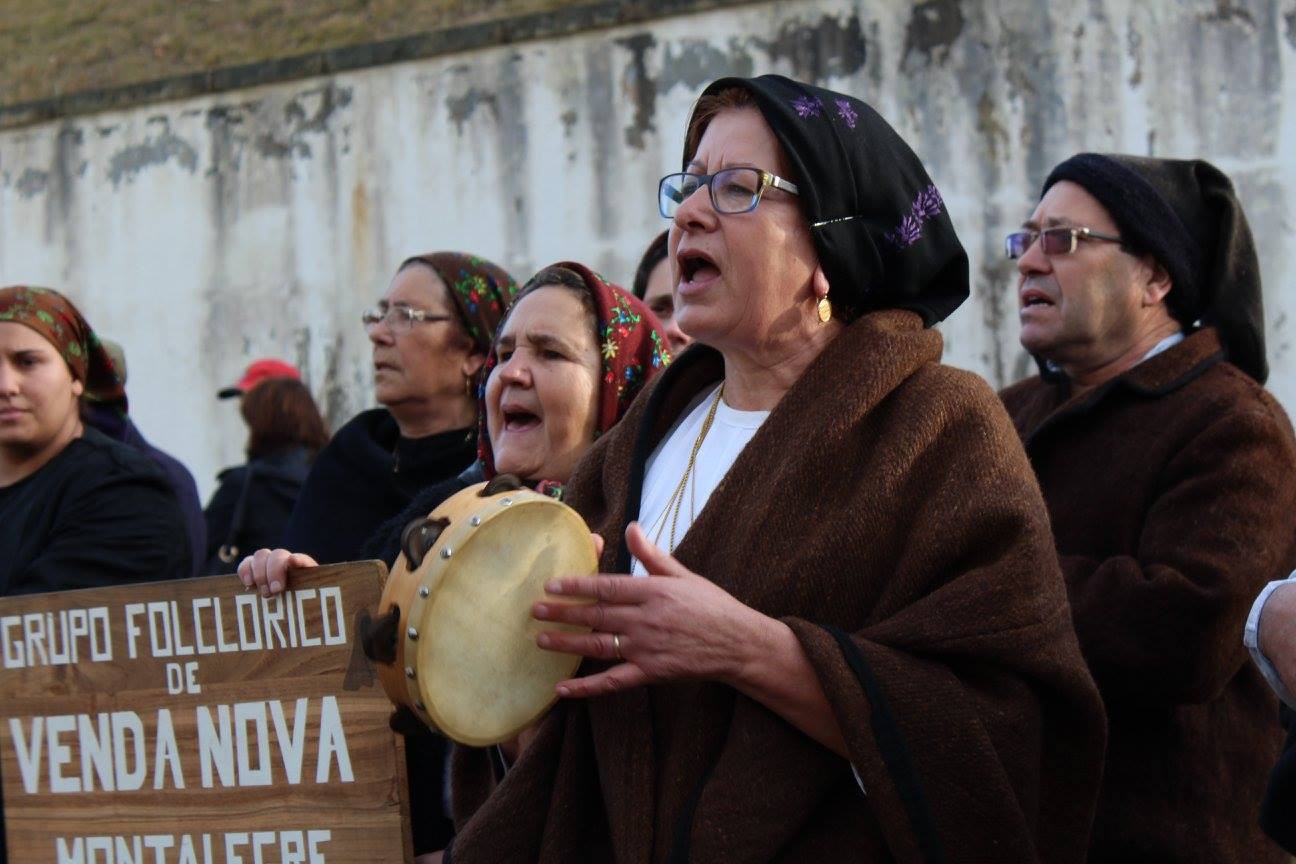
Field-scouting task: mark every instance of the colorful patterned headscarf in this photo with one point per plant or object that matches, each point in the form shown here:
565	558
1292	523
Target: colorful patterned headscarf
54	317
631	343
481	291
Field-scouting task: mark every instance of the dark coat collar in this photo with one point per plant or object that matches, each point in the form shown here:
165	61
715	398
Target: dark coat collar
1159	376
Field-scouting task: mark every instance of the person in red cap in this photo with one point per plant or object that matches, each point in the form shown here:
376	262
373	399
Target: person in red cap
258	371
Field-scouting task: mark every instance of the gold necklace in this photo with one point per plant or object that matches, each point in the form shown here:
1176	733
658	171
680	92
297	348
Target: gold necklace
676	501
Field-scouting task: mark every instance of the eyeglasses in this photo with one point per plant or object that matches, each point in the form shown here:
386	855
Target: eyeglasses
400	319
1053	241
733	190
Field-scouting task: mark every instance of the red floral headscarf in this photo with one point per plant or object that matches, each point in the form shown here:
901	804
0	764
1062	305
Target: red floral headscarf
631	343
54	317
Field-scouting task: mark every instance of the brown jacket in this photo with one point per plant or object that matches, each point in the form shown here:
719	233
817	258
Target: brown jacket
1172	491
888	497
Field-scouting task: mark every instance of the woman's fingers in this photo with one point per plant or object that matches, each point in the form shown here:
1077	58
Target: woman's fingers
600	646
623	676
596	615
266	570
655	560
608	589
598	545
245	572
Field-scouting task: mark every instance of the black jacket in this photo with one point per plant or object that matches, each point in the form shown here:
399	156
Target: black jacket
99	513
366	475
110	422
1278	809
250	508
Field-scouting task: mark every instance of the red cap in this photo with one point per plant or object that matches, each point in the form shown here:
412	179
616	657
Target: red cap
258	371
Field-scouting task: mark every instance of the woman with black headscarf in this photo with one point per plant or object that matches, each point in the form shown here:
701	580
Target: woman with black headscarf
849	640
430	333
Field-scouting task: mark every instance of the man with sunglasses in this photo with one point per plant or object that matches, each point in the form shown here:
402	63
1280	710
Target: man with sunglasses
1170	478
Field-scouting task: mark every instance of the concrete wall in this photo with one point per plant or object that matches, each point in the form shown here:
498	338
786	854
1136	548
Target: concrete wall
206	232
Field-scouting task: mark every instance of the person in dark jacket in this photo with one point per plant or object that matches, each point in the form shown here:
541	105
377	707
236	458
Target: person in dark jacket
1170	477
253	502
77	509
430	334
121	427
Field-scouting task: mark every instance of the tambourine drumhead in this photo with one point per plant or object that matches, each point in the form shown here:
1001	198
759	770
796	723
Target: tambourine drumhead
467	662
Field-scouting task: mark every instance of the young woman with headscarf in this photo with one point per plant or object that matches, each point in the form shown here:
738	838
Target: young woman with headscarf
571	354
77	509
430	334
854	642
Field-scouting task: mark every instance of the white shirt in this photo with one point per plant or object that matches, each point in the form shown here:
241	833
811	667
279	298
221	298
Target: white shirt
730	431
1251	638
1164	345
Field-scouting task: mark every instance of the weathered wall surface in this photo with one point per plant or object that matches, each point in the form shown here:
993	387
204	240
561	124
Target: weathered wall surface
207	232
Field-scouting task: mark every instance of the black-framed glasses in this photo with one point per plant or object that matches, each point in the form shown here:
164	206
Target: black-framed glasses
400	319
1053	241
733	190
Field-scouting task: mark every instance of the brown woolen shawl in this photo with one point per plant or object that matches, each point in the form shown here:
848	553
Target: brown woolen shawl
900	510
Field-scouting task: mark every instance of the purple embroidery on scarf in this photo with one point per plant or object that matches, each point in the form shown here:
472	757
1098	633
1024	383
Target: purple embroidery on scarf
846	112
807	107
928	205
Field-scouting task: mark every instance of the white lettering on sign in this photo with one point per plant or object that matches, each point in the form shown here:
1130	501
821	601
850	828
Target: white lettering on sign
246	744
61	638
234	847
163	629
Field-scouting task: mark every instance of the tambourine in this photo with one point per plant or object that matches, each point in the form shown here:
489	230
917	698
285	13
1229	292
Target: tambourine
465	660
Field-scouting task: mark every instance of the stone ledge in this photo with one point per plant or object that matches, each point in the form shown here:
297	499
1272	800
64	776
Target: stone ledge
504	31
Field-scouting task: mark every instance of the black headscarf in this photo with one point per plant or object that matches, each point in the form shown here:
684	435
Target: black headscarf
884	238
1185	213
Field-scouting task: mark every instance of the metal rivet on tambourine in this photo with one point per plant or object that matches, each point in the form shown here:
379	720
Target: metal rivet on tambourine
424	592
447	552
412	633
475	521
504	502
409	671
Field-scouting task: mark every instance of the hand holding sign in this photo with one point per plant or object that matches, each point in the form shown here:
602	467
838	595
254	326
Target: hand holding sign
267	570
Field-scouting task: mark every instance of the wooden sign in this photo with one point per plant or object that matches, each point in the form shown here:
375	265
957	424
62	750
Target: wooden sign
194	722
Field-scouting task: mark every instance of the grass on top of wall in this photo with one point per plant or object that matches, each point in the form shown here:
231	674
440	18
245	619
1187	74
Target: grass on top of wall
54	47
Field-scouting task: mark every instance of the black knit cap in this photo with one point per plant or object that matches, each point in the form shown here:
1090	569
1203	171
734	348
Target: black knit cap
1185	213
884	238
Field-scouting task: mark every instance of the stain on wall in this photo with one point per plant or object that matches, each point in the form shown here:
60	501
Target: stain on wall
208	232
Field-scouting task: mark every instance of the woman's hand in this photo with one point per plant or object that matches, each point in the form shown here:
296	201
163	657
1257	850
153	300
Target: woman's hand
672	625
267	569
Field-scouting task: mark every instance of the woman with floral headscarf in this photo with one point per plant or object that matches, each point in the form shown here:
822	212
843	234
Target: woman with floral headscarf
847	638
571	354
77	509
429	336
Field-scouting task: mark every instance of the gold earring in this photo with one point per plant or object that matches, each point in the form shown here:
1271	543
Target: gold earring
825	310
468	387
